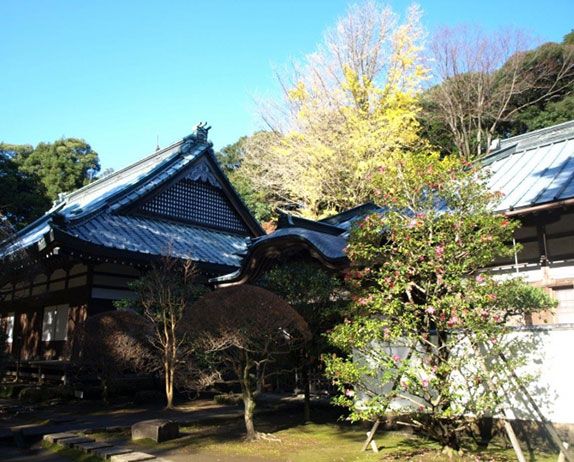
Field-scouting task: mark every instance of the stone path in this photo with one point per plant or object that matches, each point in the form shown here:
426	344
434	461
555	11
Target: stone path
69	423
16	431
105	450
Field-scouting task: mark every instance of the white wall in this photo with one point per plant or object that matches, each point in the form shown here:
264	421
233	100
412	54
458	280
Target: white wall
553	391
551	361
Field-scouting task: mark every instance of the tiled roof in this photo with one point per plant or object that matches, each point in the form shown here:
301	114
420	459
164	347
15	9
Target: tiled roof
95	214
331	247
160	237
534	168
326	238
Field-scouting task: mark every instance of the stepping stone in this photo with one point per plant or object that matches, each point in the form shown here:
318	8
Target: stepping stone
87	447
55	437
132	457
71	442
159	430
106	453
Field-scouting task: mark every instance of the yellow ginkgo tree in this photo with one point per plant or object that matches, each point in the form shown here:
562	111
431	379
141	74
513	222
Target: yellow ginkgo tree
348	109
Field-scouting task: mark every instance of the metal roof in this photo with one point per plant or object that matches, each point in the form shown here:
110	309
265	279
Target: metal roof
534	168
529	169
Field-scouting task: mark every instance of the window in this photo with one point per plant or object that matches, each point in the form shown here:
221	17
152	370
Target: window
8	326
565	309
55	323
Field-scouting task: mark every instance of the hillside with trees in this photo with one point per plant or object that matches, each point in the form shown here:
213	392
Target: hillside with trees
34	176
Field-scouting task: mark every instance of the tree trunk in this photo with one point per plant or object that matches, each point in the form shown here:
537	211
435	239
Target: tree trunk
306	389
247	394
105	390
249	404
168	375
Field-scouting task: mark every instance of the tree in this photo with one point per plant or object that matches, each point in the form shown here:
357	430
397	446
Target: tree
352	103
484	80
112	344
560	106
165	293
261	201
428	325
314	293
247	328
23	196
553	113
62	166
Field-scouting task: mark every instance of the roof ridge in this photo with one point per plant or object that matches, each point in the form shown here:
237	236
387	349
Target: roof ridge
118	173
539	131
349	212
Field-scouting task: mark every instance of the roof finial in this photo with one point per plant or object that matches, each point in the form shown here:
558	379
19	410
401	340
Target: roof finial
157	148
201	131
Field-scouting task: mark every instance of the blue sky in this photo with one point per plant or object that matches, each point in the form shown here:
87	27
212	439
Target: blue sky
120	73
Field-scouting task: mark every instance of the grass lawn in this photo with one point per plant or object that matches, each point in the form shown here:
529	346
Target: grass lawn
324	440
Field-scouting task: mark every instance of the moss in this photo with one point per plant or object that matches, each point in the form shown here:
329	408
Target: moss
228	399
324	440
72	454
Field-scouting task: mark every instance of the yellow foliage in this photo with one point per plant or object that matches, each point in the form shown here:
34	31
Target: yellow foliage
353	109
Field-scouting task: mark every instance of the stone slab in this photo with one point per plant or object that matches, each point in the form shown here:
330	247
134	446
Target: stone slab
55	437
132	457
87	447
158	430
71	442
106	453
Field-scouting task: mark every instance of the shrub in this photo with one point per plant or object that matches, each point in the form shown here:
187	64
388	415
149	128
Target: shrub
231	399
31	395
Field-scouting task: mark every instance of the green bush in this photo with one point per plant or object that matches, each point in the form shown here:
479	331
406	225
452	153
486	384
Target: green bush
10	390
31	395
228	398
35	395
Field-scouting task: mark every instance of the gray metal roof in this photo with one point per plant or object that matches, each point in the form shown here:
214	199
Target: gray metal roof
534	168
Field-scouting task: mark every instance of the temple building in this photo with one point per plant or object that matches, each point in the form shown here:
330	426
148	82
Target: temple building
81	255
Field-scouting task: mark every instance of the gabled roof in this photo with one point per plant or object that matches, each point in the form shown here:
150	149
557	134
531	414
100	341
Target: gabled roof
535	168
107	215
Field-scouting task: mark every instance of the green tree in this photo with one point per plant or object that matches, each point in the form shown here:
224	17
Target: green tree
315	294
490	85
552	113
560	106
428	325
23	196
62	166
261	201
